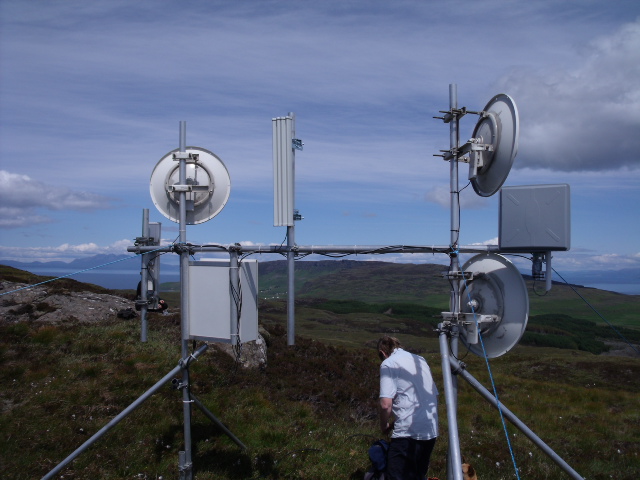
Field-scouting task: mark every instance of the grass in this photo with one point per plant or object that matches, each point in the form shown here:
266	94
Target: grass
343	321
376	282
309	415
380	282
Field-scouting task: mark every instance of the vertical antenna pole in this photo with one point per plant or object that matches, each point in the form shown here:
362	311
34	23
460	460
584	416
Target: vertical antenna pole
144	279
185	464
291	293
454	142
454	457
291	241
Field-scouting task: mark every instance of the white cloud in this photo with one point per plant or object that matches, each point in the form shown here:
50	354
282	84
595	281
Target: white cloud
585	118
492	241
609	261
20	217
440	195
21	196
21	191
62	253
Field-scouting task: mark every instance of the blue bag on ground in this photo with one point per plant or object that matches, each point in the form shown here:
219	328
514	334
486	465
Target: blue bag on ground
378	457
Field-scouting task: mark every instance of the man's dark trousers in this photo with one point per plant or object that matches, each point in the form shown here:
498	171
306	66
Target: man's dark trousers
408	459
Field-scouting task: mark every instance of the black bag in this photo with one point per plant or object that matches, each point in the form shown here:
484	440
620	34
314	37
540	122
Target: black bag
378	457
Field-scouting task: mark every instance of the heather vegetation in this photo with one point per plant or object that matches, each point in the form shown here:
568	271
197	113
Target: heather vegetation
548	330
311	413
563	331
381	282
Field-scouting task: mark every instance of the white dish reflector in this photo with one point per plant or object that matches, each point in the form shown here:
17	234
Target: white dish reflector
207	187
497	289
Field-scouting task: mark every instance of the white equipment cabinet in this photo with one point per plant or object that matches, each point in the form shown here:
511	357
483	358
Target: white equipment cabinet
210	301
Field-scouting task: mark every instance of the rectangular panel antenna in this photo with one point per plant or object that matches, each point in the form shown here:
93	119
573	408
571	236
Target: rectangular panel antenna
283	171
535	218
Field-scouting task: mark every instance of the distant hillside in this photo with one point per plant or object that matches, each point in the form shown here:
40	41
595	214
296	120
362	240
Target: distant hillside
77	264
110	271
356	280
380	282
373	282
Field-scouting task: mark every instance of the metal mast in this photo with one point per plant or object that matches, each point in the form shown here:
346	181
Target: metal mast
448	331
185	462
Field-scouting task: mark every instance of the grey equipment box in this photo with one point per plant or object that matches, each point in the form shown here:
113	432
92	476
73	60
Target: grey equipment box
210	301
535	218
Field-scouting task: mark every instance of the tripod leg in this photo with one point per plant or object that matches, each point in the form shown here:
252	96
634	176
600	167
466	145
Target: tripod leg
212	417
169	376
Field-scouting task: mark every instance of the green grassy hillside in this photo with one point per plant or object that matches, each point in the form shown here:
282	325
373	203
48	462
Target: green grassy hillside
311	413
558	318
380	282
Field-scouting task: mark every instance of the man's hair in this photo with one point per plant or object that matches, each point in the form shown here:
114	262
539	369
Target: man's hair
388	344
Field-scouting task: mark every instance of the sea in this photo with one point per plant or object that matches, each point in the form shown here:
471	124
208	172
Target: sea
128	279
626	288
113	279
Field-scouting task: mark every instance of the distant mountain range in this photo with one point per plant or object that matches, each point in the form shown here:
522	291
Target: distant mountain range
105	268
106	261
624	275
108	270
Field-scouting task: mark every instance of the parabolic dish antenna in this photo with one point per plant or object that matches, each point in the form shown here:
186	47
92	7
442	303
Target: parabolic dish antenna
207	187
499	127
497	289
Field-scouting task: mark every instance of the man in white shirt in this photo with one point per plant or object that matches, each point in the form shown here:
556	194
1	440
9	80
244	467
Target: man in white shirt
408	393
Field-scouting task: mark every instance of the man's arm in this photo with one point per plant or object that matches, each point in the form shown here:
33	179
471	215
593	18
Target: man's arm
385	414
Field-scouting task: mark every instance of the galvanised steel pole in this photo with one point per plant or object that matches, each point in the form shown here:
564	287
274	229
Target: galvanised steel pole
184	458
454	457
291	292
323	249
291	242
453	472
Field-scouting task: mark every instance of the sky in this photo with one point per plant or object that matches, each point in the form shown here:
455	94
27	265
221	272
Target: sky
92	93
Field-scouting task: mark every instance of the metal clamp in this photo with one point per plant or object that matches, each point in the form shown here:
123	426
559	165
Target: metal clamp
189	157
189	188
178	385
458	275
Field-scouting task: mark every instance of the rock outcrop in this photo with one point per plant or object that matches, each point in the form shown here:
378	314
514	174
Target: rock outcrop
21	302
